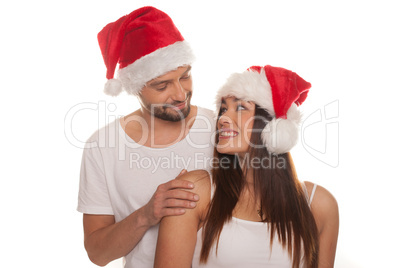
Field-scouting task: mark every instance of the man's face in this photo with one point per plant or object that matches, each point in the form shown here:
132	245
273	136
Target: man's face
168	96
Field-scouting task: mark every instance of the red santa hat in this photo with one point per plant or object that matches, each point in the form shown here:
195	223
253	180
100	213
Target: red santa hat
146	44
279	92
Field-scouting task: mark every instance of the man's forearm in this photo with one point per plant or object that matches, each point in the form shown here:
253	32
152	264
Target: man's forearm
117	240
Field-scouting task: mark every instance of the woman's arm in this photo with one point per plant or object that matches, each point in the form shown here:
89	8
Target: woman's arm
105	240
325	210
178	234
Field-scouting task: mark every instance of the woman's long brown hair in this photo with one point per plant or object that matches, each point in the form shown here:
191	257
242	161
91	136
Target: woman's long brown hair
283	200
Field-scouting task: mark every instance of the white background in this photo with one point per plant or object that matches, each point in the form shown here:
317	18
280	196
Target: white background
349	50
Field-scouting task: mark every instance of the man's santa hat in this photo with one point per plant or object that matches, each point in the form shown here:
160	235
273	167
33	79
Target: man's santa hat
146	44
279	92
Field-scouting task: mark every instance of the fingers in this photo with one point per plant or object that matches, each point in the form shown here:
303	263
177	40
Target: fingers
172	198
175	207
182	172
177	203
174	184
174	201
176	189
181	194
163	206
175	198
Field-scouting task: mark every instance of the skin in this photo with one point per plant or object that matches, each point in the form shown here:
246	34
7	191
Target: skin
235	126
104	239
181	231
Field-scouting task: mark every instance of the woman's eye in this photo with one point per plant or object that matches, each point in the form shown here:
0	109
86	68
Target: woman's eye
240	107
222	110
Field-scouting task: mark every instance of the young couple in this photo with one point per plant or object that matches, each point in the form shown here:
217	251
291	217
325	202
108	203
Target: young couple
246	210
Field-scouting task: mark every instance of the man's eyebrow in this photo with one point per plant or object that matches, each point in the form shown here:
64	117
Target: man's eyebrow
156	83
188	69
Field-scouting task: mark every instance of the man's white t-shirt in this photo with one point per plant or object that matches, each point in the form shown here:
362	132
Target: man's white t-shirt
118	176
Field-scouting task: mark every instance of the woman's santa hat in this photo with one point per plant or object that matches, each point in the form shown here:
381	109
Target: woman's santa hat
279	92
146	44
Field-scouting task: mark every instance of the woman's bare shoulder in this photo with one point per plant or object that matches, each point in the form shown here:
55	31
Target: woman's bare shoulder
321	193
200	178
202	186
324	205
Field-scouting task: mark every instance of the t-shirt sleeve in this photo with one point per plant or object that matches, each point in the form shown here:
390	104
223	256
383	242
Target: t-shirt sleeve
93	196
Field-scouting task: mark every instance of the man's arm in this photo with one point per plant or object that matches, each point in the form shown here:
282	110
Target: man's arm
105	240
178	235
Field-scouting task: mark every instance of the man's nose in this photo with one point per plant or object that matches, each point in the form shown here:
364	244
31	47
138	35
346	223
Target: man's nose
179	93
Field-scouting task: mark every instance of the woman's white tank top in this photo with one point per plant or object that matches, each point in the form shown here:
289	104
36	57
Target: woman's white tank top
245	243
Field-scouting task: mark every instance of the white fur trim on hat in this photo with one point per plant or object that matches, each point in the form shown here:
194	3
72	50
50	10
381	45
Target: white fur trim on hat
163	60
248	86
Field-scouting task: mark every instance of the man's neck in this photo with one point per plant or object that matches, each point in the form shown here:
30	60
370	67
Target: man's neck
150	131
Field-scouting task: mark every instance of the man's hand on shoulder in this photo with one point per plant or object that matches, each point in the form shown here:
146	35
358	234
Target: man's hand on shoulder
202	188
178	235
171	198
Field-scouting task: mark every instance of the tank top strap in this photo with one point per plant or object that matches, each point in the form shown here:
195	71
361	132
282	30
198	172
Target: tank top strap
312	194
212	184
309	198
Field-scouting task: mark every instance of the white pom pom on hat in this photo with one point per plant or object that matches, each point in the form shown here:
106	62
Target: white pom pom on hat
277	90
113	87
145	44
281	135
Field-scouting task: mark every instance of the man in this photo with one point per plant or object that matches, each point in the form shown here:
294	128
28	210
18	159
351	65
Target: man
128	168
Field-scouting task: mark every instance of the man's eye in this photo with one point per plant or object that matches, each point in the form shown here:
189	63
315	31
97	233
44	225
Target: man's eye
161	88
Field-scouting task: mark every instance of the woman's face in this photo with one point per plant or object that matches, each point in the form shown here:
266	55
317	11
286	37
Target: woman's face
235	125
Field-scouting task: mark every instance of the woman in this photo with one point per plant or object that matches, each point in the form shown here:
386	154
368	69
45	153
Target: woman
260	214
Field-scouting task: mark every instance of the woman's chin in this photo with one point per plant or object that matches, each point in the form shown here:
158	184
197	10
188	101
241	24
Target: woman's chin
224	150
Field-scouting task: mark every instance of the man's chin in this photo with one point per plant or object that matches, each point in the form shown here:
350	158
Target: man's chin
174	115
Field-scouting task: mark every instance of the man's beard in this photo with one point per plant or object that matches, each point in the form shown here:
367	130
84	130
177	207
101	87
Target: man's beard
166	111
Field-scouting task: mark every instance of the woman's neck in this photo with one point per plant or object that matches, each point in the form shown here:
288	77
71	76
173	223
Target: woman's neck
247	170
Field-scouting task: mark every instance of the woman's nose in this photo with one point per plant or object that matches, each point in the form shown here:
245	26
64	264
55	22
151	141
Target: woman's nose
224	120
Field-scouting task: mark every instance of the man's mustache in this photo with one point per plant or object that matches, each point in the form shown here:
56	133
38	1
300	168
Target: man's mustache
175	103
